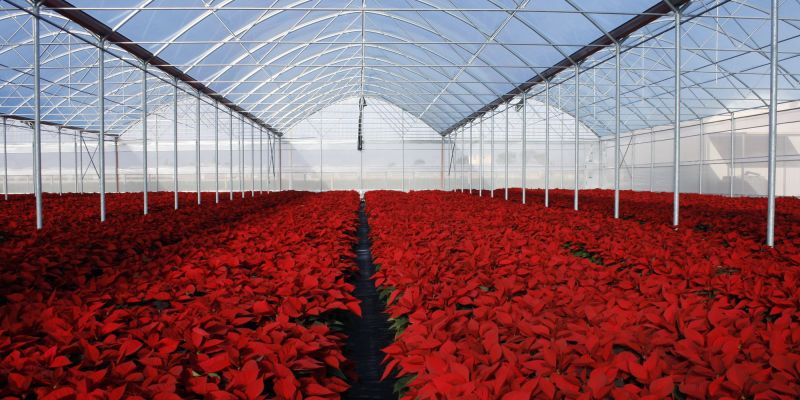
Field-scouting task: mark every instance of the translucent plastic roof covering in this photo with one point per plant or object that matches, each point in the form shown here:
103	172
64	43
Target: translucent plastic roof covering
438	60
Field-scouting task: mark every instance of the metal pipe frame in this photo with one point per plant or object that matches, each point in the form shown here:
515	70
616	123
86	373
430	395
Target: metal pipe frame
480	163
470	158
505	184
524	185
60	181
677	137
75	158
197	152
175	140
5	159
732	172
491	160
230	154
216	152
280	164
261	160
101	109
241	158
577	133
145	177
547	143
773	123
37	126
617	123
253	161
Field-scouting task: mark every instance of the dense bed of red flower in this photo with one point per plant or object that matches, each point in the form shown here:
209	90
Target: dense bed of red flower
220	301
711	213
510	301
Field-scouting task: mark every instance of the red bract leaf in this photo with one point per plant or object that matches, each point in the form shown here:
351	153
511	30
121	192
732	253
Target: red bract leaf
565	386
662	387
517	395
59	362
167	345
286	387
19	382
261	307
129	347
60	393
216	363
110	327
167	396
314	389
599	383
254	388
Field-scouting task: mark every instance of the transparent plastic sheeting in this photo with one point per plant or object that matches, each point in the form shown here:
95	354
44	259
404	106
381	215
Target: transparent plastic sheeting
320	153
439	60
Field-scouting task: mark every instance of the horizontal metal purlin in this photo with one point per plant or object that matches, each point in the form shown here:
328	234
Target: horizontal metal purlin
104	31
47	123
618	34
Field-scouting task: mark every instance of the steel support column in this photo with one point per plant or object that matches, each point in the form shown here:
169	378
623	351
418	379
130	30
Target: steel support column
37	118
175	139
241	157
505	183
702	157
677	135
101	136
480	160
5	160
617	123
253	161
280	163
547	143
577	132
470	156
230	156
75	156
732	172
116	164
773	124
144	140
60	178
524	147
491	160
197	152
261	160
216	152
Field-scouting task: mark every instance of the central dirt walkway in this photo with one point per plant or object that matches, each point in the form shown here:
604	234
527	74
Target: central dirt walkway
370	333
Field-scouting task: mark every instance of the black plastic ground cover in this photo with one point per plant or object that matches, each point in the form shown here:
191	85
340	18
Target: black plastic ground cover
366	336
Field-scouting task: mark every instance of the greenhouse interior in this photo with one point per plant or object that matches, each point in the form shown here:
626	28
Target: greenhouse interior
407	199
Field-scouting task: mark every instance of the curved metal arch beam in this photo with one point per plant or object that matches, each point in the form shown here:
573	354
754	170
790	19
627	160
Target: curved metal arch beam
298	110
408	21
415	97
301	87
314	100
354	11
331	100
414	71
353	44
118	87
374	93
387	72
345	45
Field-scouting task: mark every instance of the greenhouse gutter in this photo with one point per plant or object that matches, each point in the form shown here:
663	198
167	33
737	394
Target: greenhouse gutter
615	35
102	30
